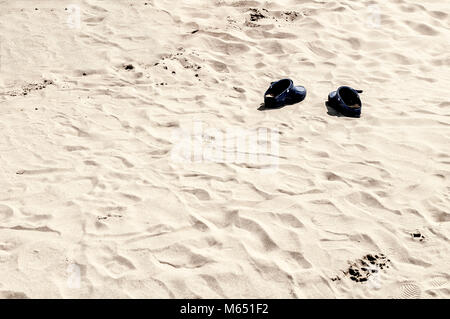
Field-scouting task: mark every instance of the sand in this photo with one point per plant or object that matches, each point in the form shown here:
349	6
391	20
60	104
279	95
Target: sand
122	175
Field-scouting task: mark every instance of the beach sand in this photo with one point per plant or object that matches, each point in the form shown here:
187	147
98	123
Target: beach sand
108	110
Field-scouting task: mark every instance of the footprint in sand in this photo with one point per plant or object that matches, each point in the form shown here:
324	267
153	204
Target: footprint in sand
201	194
175	63
366	268
408	290
255	15
30	87
438	281
422	28
5	212
8	294
417	236
119	265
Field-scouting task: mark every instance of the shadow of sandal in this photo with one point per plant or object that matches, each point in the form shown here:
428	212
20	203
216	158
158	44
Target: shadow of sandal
331	111
262	107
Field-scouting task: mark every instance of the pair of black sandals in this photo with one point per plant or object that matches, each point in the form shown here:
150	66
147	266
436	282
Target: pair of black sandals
345	100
